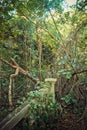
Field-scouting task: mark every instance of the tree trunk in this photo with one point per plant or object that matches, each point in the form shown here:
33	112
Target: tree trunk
0	70
40	58
39	42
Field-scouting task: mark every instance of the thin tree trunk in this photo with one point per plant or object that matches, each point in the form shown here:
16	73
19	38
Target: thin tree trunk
0	74
26	59
10	87
39	42
40	59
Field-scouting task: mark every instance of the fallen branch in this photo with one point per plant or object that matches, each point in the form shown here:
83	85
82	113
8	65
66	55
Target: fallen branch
15	66
12	76
6	62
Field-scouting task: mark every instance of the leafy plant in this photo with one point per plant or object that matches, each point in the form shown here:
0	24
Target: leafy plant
43	111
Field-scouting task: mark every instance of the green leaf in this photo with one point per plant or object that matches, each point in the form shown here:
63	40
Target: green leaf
68	75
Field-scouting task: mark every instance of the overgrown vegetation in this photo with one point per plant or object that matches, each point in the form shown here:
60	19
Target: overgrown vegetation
46	40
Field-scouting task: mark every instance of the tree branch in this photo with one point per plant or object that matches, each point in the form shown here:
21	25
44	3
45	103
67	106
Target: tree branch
10	86
79	72
15	66
58	32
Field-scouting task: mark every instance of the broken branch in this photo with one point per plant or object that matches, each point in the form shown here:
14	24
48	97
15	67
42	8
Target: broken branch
15	66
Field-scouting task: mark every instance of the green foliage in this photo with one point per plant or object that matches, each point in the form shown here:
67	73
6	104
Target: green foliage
25	25
81	5
43	112
66	99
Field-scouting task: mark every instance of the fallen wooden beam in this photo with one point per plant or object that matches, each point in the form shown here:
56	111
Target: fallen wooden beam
12	119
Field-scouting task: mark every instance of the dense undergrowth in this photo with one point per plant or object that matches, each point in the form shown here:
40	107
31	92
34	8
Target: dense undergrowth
45	114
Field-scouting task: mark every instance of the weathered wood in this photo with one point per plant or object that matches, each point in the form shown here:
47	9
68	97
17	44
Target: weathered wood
12	119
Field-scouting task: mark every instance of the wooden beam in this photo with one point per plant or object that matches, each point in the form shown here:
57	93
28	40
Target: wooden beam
12	119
